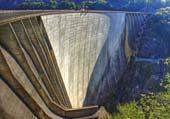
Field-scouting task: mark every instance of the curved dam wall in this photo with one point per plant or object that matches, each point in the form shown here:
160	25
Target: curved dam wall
85	56
89	48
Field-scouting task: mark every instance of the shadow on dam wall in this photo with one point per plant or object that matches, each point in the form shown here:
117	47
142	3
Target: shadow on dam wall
90	51
110	63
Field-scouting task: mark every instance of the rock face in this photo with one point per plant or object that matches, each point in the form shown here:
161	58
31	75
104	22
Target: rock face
91	50
147	68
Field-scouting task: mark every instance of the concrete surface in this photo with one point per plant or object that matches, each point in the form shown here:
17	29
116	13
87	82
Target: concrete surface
11	107
83	45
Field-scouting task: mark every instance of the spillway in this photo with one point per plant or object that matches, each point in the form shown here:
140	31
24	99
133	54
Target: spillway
58	60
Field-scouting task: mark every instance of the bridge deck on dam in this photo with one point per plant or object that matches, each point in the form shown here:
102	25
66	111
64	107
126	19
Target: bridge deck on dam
63	63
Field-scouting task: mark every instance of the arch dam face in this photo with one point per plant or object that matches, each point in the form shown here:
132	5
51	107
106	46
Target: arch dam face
53	61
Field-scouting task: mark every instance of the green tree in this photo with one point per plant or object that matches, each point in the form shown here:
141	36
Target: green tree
53	4
128	111
33	4
157	105
102	1
153	105
165	84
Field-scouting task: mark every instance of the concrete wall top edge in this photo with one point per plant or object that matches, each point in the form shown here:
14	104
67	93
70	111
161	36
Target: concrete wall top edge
13	15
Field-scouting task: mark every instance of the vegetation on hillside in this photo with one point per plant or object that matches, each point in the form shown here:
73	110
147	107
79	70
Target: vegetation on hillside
135	5
128	111
152	105
56	4
28	4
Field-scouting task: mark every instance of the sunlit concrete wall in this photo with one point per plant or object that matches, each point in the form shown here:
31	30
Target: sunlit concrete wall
84	44
11	107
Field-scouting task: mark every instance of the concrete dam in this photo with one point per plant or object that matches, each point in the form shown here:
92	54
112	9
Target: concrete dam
62	64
